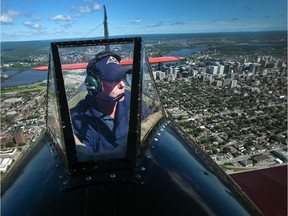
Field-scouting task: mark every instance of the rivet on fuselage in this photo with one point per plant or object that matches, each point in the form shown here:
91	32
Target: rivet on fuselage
65	182
112	175
138	176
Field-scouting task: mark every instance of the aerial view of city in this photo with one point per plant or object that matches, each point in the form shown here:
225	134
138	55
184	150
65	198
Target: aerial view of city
200	130
232	105
228	96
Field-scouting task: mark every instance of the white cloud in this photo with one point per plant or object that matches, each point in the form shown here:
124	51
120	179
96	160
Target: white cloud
8	17
137	21
85	9
89	9
38	18
96	6
155	25
60	18
35	26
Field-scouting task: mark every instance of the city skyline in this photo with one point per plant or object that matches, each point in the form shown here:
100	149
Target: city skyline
40	20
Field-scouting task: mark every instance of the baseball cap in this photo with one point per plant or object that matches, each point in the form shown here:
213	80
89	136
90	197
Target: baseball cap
107	67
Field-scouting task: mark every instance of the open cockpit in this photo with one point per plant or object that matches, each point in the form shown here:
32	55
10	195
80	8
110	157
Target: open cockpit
66	88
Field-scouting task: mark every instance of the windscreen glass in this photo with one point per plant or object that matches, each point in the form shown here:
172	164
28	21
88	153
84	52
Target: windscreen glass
98	90
53	120
151	111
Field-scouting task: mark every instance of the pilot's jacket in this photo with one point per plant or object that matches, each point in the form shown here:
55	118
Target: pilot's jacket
99	132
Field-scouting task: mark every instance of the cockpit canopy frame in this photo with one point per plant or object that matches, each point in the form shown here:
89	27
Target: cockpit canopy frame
59	124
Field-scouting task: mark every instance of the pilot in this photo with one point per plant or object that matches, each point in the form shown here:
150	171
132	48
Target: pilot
101	120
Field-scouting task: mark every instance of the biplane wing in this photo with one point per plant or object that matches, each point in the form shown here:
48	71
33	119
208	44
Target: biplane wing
153	60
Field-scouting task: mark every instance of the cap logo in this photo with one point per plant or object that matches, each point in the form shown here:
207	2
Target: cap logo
112	60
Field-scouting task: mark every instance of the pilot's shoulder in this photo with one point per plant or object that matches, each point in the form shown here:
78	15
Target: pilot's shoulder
83	105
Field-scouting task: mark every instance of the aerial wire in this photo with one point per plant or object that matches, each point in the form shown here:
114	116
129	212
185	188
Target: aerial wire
91	31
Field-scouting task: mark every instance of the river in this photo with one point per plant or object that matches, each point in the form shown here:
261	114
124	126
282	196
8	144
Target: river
185	52
20	78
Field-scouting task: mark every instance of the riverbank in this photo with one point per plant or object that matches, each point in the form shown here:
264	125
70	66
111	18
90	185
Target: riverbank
7	92
22	78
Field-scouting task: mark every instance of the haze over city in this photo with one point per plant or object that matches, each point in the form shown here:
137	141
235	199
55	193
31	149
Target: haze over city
40	20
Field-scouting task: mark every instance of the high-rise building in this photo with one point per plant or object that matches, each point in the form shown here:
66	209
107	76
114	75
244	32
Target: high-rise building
220	69
213	69
233	83
185	74
226	82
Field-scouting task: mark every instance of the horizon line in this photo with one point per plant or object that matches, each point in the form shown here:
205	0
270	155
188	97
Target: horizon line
131	35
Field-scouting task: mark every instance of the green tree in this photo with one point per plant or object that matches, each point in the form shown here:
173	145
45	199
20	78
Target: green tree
226	149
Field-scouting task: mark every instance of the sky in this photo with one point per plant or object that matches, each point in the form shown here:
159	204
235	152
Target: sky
25	20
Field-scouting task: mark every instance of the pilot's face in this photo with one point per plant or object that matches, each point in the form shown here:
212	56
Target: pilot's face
111	89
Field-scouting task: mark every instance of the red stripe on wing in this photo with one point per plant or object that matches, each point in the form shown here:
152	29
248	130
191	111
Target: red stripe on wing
123	62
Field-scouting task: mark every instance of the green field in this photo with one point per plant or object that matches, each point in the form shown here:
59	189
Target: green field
9	92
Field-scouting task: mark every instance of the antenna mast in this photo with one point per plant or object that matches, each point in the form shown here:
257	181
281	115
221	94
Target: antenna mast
106	34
